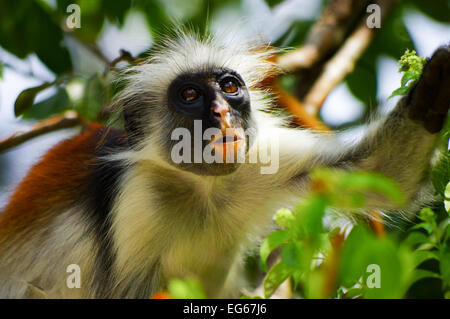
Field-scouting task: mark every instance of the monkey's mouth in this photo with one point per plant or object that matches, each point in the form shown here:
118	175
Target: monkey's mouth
227	145
227	139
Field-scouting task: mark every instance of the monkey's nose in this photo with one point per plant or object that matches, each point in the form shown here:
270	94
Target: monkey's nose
221	112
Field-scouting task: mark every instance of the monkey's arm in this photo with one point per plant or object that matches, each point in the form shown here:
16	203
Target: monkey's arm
400	147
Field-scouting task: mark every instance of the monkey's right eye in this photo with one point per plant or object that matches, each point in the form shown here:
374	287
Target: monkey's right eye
189	94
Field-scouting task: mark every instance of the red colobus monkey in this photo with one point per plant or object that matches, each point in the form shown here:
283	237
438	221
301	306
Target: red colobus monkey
131	215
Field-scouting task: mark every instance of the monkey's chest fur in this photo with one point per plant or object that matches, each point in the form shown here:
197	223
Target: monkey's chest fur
180	225
131	230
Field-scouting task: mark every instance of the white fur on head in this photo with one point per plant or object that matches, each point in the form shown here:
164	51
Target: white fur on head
146	84
186	53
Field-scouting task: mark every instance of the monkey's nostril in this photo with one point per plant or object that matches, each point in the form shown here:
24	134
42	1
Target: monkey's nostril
219	109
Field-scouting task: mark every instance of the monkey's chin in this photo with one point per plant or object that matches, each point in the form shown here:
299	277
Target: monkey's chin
209	169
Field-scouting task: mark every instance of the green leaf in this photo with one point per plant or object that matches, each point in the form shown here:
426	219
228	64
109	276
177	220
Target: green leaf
440	175
271	242
437	10
427	215
291	255
412	65
116	9
26	27
393	38
93	99
415	238
422	255
315	283
275	277
354	293
409	76
362	82
400	91
249	297
428	227
186	289
393	264
284	218
156	15
273	3
309	214
447	198
395	270
353	257
53	105
422	274
445	263
370	181
26	98
447	234
296	277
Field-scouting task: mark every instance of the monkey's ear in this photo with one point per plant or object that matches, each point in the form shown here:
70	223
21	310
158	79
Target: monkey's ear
429	101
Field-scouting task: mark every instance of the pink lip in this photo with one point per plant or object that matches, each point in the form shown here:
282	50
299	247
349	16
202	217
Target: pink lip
224	144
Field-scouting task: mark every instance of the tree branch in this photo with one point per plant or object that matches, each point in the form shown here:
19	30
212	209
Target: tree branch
301	117
338	67
327	34
66	120
343	62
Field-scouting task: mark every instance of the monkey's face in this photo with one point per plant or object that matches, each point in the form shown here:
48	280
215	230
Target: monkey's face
209	133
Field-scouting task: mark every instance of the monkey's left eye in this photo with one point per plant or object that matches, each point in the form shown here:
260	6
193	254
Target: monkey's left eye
229	86
189	94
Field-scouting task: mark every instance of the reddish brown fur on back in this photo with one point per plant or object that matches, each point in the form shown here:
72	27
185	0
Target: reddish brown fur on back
53	182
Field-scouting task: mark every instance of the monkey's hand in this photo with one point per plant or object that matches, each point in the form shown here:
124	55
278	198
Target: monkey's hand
429	100
400	146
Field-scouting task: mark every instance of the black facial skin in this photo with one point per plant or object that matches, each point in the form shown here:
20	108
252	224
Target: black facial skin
208	86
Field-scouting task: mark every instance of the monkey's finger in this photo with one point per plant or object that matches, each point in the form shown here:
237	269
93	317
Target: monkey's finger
422	94
438	109
428	99
435	118
442	101
434	123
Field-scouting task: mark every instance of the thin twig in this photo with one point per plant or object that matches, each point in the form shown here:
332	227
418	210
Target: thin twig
344	61
331	266
124	56
296	108
338	67
376	222
325	36
66	120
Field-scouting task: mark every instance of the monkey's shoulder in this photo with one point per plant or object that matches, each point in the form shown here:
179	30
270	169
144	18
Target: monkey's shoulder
69	174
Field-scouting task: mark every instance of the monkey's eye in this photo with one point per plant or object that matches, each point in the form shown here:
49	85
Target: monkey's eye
229	86
189	94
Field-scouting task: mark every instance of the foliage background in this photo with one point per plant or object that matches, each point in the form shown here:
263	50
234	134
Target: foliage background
37	48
